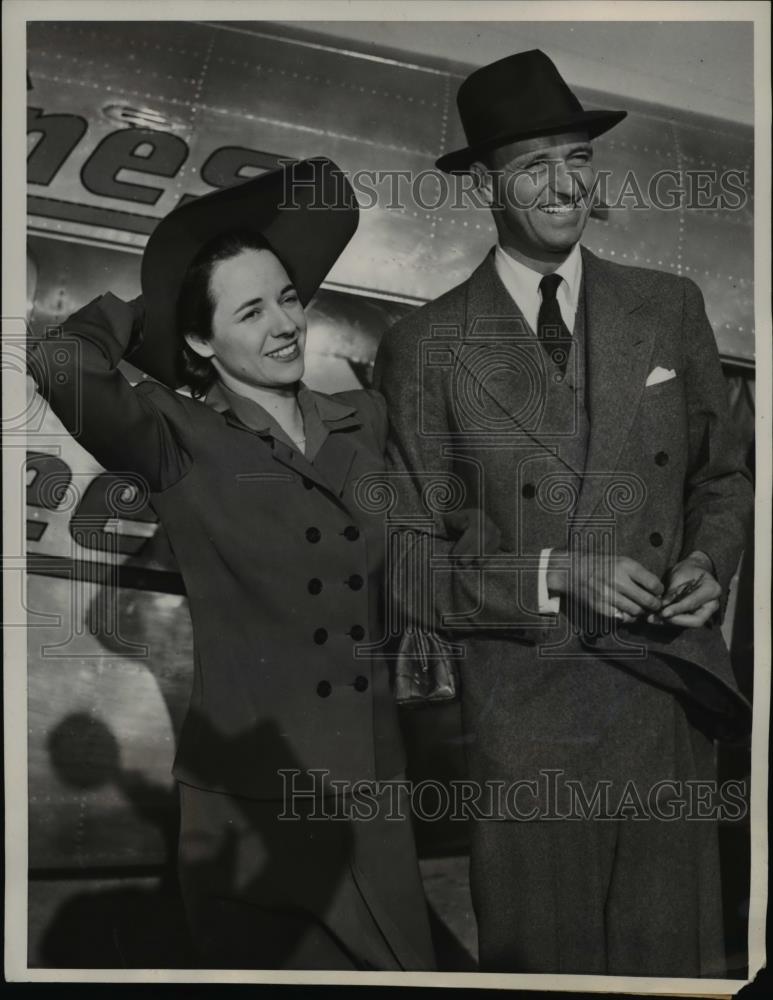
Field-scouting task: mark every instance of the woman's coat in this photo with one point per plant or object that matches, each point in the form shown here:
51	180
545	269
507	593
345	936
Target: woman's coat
282	562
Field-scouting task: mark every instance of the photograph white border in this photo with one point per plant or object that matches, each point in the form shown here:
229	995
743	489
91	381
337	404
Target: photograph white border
15	14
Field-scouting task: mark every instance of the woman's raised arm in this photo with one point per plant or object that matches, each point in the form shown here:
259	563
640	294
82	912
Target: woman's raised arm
126	428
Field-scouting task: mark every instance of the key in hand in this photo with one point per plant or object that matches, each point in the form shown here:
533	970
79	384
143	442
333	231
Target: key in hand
687	588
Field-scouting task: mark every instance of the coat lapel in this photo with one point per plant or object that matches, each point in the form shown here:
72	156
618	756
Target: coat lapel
488	299
619	345
338	450
332	464
491	313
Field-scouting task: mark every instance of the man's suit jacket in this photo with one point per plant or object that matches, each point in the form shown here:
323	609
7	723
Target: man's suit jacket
662	461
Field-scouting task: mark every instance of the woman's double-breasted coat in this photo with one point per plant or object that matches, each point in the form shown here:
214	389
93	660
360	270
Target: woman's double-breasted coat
282	563
282	566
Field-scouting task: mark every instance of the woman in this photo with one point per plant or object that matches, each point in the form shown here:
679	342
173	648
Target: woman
253	479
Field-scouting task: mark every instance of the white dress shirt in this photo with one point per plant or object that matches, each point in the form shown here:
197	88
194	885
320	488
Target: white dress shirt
522	284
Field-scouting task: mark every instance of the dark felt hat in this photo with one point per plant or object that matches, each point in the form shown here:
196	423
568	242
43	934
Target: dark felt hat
522	96
305	210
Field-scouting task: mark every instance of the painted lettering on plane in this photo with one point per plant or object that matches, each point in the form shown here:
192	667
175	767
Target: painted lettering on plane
142	150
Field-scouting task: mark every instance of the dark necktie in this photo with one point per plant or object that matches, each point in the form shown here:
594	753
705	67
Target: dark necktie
552	332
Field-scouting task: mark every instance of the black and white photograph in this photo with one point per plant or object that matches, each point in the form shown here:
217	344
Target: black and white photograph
387	493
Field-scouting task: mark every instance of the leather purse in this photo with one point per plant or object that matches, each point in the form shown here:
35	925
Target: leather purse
424	670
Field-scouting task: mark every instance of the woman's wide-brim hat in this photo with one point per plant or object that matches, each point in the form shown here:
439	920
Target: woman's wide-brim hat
520	97
307	212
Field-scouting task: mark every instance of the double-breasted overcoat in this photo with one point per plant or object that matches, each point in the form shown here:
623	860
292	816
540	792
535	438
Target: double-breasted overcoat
642	467
283	570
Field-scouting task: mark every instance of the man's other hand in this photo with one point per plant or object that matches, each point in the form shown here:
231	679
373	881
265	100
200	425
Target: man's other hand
693	575
618	588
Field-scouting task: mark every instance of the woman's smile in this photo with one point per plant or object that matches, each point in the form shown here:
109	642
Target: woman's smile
288	352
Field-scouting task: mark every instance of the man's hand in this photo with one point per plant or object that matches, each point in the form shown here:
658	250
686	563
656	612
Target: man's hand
618	588
693	575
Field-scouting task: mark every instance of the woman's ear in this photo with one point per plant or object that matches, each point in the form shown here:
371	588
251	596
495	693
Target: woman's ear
202	347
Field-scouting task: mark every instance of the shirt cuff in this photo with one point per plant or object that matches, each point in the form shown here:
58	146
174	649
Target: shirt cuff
546	605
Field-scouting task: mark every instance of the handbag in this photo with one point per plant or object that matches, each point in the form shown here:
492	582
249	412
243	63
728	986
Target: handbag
424	670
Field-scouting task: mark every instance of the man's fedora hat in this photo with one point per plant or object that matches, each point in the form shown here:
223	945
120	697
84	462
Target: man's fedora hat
305	210
520	97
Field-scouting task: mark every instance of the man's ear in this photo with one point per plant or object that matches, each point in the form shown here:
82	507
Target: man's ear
202	347
484	183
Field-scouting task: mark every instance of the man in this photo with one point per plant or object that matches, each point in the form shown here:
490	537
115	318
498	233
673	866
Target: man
579	407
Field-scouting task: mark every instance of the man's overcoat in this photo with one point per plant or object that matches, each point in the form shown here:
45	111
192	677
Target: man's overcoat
631	451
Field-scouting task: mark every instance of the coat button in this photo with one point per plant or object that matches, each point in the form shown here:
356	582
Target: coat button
314	586
313	535
324	688
357	632
661	458
351	533
656	539
307	484
360	683
355	581
528	490
320	636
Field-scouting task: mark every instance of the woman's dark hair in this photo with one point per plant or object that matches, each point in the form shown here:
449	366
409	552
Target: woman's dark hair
196	306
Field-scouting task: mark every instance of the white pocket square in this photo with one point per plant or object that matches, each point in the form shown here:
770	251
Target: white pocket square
658	375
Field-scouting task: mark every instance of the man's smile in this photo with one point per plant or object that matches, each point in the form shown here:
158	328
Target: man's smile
556	209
